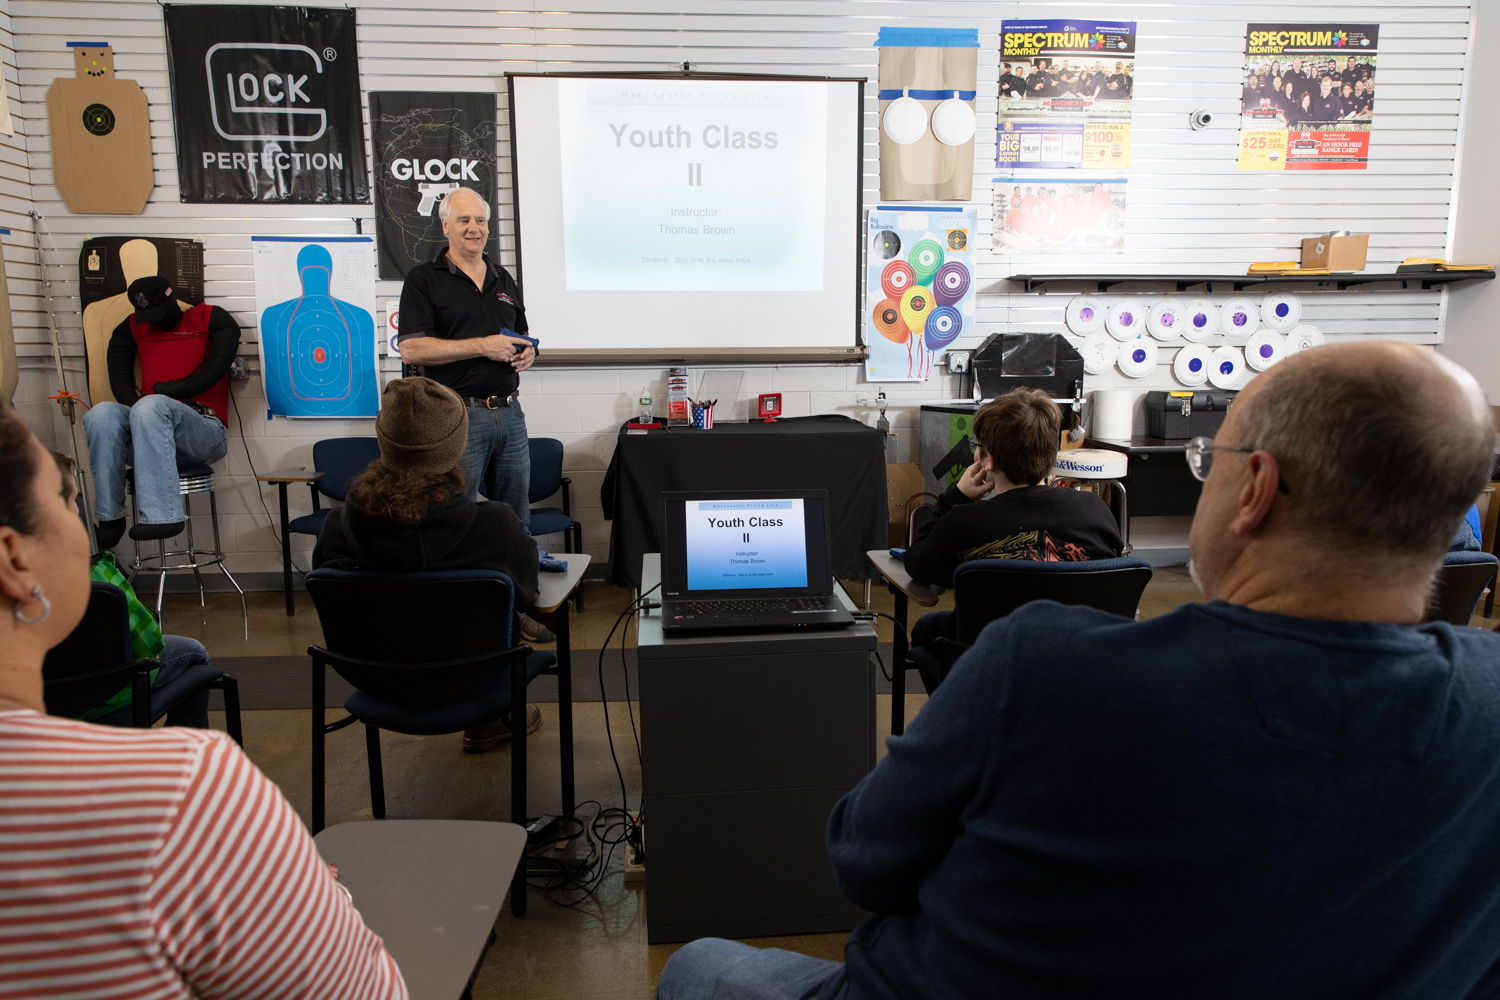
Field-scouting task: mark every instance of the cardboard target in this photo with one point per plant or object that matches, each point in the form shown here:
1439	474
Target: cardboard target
1085	314
1191	364
1281	311
1239	318
888	321
943	327
101	136
1202	321
896	279
926	258
1264	349
916	306
1099	352
951	283
1226	367
1137	357
1304	338
1164	321
1126	319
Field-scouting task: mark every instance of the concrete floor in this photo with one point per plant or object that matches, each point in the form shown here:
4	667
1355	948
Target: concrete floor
594	950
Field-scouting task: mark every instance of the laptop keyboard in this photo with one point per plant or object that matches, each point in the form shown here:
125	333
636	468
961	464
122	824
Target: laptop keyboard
762	605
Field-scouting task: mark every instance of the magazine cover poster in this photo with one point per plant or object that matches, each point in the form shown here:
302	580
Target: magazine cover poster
919	288
1071	214
1307	96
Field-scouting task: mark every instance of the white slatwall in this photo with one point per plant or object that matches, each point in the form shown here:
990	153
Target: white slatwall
1189	207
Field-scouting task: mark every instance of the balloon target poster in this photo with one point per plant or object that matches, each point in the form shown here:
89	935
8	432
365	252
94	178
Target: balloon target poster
315	298
919	288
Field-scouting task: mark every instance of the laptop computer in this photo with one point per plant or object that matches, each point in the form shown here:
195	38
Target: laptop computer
755	561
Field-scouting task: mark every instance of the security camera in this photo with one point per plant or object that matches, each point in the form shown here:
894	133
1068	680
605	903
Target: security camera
1200	119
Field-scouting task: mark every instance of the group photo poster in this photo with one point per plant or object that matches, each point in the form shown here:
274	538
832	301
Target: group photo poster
1308	96
266	105
1065	94
315	300
426	146
919	288
1071	214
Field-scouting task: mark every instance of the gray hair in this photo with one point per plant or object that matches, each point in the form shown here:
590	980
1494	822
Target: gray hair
443	205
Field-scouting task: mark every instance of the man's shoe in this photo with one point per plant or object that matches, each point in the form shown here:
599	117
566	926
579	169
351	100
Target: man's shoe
109	533
488	737
146	532
533	631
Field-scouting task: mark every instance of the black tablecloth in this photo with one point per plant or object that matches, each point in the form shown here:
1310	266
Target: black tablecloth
833	453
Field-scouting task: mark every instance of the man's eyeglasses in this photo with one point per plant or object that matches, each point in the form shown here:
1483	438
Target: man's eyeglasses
1200	455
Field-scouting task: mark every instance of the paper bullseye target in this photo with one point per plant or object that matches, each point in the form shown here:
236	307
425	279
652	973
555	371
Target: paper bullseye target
943	327
888	321
1239	318
1226	367
1137	357
926	258
951	283
895	278
1164	321
1264	349
916	306
1281	311
1126	319
1200	321
1191	364
1099	352
1085	314
1304	338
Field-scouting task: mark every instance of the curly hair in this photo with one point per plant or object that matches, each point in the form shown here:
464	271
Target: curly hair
403	496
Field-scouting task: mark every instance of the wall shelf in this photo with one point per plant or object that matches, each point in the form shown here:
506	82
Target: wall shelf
1239	282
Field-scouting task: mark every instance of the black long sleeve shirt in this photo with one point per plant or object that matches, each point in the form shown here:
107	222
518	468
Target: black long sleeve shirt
223	342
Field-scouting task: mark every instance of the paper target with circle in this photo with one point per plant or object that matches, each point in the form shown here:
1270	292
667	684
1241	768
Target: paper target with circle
1201	321
919	288
1281	311
1239	318
888	321
926	258
944	324
1085	314
1126	319
1303	338
1165	320
951	283
1264	349
1137	357
316	300
1226	366
1191	364
1099	352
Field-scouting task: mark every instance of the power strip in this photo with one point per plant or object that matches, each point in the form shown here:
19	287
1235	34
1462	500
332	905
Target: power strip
635	871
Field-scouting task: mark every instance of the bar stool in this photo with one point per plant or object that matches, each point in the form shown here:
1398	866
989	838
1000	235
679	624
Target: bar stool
191	479
1098	465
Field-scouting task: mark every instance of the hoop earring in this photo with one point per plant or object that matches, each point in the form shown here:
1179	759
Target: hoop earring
36	591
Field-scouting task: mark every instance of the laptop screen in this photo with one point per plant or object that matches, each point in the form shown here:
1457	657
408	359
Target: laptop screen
767	544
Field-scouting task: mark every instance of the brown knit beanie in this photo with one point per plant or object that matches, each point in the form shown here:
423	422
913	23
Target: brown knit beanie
422	427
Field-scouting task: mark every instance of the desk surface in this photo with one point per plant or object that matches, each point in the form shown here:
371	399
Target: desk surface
892	569
552	589
1139	445
431	888
291	476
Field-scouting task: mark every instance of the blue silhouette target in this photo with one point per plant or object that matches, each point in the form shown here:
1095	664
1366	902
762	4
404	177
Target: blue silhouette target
318	351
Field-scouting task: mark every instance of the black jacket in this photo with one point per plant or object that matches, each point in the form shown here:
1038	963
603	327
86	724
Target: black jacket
223	342
458	534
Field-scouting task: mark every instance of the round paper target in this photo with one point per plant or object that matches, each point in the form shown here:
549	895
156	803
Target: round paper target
896	278
1164	321
1137	357
1099	352
1264	349
905	120
1226	367
1304	338
321	355
885	244
1085	314
1126	319
953	122
1281	311
98	119
951	283
943	327
1239	318
1200	321
888	321
926	258
916	306
1191	364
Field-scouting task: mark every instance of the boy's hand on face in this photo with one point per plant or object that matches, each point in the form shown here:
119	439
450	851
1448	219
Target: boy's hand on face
974	483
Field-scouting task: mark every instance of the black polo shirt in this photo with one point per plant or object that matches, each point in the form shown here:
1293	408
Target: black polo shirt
439	300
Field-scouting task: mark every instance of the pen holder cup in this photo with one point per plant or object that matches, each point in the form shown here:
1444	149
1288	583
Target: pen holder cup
703	417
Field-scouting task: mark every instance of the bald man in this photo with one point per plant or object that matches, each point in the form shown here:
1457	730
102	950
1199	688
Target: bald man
1290	791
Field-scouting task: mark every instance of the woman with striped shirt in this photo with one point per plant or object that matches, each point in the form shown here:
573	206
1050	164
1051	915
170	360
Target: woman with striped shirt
141	863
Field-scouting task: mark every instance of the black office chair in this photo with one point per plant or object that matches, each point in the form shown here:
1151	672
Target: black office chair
547	479
451	670
95	661
1459	584
987	589
340	460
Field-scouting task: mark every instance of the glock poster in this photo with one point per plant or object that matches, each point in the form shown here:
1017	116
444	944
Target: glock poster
1307	96
1065	94
427	145
266	105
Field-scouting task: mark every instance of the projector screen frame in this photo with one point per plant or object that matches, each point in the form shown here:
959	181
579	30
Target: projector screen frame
856	353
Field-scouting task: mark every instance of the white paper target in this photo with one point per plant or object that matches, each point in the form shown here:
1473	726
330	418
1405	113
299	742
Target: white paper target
1085	314
1126	319
1303	338
905	120
1099	351
1166	319
1264	349
1239	318
1191	364
1281	311
1137	357
1226	367
1202	321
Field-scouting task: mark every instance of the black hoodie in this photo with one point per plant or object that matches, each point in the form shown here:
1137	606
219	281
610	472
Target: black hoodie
456	534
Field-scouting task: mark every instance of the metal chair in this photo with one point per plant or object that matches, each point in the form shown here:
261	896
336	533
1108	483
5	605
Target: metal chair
547	479
340	460
95	661
1459	584
454	672
987	589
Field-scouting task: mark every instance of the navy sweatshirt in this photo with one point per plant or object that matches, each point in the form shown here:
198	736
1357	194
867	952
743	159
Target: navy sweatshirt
1214	803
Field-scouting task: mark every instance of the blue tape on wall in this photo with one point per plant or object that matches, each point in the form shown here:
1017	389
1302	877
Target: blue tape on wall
940	38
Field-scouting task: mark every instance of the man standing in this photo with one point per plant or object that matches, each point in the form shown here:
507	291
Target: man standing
177	416
461	325
1326	106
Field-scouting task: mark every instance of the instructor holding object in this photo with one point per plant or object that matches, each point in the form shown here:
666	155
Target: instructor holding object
461	321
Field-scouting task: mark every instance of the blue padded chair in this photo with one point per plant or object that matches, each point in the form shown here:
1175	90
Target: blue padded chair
340	460
453	671
95	661
1459	584
547	479
987	589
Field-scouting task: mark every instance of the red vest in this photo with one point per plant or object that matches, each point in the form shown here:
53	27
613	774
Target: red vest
168	355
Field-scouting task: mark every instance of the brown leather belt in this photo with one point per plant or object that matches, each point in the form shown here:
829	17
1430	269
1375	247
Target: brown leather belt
493	402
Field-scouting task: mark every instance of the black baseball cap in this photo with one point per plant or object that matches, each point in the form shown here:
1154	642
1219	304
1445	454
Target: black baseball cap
152	297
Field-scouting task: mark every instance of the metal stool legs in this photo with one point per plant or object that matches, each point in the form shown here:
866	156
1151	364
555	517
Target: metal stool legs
195	558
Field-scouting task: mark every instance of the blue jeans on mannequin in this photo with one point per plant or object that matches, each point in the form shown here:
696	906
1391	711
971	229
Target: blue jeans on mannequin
153	436
716	969
498	457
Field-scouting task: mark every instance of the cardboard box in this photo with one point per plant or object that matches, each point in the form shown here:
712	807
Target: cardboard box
1337	253
903	480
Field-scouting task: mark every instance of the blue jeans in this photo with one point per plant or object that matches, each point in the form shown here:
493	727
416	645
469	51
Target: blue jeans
179	655
498	457
716	969
154	436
